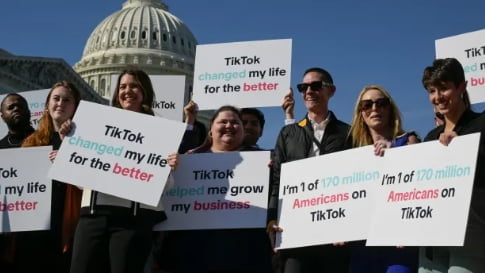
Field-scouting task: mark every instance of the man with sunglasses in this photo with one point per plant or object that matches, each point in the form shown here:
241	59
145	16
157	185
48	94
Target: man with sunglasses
318	133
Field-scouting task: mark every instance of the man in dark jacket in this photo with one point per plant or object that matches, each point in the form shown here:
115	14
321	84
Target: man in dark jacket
319	133
15	112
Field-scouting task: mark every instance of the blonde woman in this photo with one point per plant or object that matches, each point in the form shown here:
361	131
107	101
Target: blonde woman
377	121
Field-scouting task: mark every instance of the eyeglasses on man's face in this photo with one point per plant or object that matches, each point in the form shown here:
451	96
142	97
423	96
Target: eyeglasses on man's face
314	86
366	105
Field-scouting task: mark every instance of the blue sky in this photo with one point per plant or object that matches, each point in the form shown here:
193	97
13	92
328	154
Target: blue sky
359	42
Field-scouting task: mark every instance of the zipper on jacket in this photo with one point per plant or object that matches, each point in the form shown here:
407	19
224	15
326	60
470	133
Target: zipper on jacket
94	196
135	206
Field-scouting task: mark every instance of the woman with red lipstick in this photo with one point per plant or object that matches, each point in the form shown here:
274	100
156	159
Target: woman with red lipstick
377	122
446	85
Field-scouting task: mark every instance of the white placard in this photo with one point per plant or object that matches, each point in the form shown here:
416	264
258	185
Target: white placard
36	101
424	194
25	190
469	49
169	95
118	152
327	199
244	74
218	191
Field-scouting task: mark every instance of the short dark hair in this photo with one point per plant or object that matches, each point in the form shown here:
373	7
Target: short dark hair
255	112
22	99
326	77
443	71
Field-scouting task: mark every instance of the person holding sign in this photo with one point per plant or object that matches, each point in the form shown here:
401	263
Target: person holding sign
15	113
446	85
377	121
223	250
115	234
319	133
50	251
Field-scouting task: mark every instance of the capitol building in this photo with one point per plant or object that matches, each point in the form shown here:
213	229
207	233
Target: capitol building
143	34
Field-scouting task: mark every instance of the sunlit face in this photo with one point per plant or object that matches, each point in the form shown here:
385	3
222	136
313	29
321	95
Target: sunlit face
61	105
227	131
252	129
315	101
15	112
378	115
447	98
130	94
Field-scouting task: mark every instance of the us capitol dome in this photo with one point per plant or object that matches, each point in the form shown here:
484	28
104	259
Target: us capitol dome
143	34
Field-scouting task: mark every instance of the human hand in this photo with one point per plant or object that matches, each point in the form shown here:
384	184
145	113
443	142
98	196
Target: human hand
288	105
172	160
52	155
272	229
380	146
190	112
446	137
65	128
339	244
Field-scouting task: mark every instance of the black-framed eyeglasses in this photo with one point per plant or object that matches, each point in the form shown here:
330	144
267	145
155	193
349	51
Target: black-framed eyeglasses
365	105
314	86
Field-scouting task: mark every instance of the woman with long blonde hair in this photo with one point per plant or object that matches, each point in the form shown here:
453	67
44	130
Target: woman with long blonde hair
377	121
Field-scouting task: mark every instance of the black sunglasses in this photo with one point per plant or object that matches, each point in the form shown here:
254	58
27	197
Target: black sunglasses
365	105
314	86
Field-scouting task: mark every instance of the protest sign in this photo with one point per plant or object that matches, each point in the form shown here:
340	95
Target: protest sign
423	196
218	191
118	152
413	195
244	74
327	199
25	190
469	49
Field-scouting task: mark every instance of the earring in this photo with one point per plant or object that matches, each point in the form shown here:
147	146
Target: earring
210	133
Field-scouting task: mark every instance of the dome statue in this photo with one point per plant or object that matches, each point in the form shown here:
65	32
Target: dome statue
144	34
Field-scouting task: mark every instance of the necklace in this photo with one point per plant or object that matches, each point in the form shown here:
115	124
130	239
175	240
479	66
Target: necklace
13	143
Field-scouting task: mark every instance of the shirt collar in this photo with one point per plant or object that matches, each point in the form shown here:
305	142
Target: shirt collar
322	125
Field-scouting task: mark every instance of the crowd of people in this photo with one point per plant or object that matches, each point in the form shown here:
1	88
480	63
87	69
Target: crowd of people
97	232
